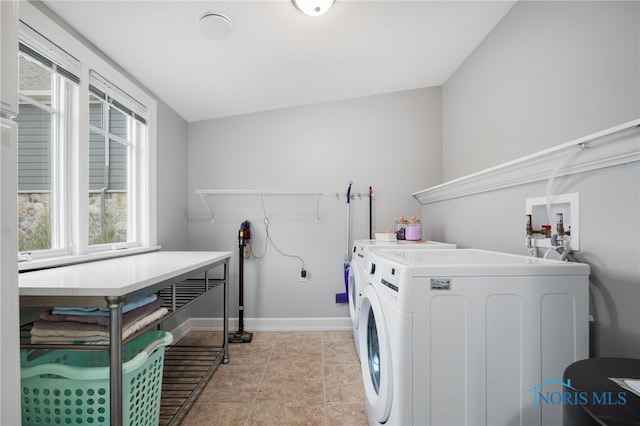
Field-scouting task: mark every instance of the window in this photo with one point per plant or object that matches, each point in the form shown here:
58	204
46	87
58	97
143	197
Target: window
85	155
34	155
116	126
48	95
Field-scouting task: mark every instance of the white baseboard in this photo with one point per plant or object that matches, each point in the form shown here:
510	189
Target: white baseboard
262	324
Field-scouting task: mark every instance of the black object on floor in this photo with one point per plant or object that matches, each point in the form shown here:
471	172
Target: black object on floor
244	238
599	400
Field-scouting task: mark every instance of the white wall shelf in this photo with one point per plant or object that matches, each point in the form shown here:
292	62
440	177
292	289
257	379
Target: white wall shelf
615	146
203	193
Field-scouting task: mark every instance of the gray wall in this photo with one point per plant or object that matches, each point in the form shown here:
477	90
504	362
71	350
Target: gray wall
391	142
172	179
549	73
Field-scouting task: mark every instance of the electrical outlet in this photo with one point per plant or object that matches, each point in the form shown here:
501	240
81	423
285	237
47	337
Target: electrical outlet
566	204
304	275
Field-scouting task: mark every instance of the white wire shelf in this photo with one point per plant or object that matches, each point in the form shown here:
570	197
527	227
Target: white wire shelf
203	193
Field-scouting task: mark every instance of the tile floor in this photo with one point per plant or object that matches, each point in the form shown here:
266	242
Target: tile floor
283	378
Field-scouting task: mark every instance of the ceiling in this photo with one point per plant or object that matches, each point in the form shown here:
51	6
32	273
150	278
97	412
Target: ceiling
277	57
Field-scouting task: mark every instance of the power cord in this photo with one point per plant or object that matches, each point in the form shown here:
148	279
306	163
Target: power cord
269	240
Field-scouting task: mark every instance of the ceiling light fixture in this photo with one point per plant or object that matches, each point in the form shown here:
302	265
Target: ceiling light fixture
215	26
313	7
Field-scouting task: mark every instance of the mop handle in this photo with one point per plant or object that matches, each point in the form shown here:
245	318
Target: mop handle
370	213
348	217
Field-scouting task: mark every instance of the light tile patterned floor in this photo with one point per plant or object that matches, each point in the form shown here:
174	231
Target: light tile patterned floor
283	378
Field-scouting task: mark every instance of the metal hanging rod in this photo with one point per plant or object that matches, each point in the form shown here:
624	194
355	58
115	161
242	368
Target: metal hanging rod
360	195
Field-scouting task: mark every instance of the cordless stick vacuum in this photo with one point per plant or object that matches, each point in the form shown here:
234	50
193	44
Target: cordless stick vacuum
244	238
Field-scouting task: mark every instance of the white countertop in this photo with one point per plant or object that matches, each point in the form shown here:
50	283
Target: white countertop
115	277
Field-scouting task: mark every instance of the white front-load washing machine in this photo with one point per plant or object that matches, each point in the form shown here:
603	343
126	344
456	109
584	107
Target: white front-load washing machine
358	271
466	337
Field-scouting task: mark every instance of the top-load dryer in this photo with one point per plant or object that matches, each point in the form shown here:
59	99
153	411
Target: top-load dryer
469	337
358	271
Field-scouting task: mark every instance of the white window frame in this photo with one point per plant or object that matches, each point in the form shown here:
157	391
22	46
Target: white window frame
135	139
143	164
63	109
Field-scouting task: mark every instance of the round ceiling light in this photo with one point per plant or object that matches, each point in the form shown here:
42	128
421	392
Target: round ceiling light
313	7
215	26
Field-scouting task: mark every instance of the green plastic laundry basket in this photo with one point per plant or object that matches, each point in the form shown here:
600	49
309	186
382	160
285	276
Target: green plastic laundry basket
71	387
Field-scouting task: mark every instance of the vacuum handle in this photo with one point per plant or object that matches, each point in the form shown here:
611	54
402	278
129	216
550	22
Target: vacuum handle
244	235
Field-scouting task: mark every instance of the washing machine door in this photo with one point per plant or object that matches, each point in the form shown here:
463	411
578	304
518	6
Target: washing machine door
375	356
354	302
356	282
352	293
